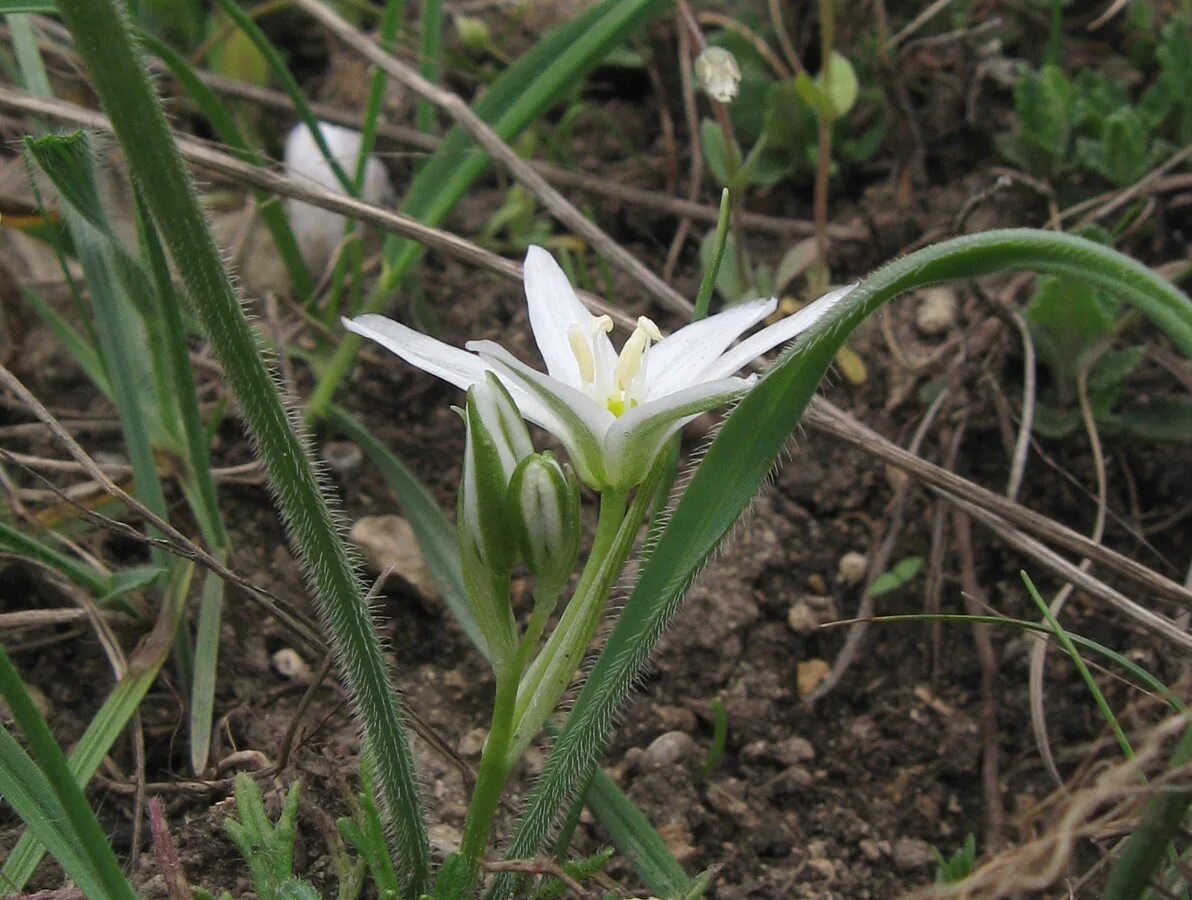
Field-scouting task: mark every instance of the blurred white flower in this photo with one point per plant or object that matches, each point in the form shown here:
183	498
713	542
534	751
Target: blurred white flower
718	74
319	231
614	413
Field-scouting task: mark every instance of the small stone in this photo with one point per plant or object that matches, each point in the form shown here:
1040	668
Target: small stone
794	749
811	674
795	778
677	838
445	839
822	868
472	743
816	583
802	618
674	718
937	311
870	850
342	456
389	544
852	567
910	854
668	749
288	664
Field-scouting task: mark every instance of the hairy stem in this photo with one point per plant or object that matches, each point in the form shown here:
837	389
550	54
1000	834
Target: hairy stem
103	39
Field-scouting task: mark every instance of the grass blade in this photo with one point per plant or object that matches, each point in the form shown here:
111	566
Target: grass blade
105	44
21	544
224	125
747	445
26	790
109	722
281	72
78	822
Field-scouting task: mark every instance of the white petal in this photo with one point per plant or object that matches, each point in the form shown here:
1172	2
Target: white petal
635	440
772	335
442	360
571	416
679	360
554	308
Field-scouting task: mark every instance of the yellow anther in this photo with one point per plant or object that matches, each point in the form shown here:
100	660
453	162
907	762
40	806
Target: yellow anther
601	323
582	351
629	363
647	325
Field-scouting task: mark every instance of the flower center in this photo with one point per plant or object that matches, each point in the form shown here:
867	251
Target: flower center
619	384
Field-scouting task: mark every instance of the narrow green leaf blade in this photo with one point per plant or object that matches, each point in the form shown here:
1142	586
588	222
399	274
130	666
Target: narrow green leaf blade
747	445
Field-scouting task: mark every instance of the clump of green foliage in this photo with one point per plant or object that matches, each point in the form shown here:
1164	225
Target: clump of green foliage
1091	125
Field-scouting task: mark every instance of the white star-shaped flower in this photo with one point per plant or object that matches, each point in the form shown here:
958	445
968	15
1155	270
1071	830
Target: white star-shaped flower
612	412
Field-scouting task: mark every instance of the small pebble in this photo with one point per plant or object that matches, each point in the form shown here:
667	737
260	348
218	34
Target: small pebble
852	567
811	674
668	749
389	544
870	850
802	618
342	456
288	664
677	838
472	743
910	854
444	838
937	311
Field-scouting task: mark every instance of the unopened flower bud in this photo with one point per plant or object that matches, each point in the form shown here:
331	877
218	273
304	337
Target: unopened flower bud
473	33
497	440
718	74
544	507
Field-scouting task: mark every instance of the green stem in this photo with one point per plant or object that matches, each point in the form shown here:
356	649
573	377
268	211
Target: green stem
553	669
103	40
490	780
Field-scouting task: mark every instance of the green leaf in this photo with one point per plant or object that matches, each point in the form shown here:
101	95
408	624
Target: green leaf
271	212
838	82
812	93
1122	154
742	456
897	577
1163	418
105	45
1067	318
113	716
28	6
721	159
64	802
22	545
1045	107
1175	75
789	121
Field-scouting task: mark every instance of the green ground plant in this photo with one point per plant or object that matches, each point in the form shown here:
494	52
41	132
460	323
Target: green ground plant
518	508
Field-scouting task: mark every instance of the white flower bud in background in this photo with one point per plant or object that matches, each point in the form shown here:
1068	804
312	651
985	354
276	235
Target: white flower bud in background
319	231
718	74
544	507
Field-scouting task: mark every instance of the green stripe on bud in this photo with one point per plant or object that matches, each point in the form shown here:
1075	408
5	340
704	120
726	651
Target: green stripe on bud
544	509
497	441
